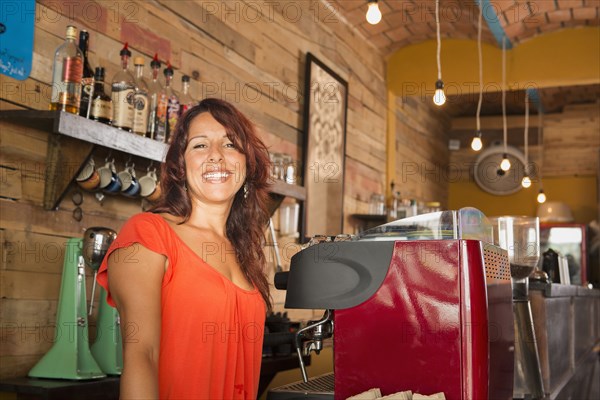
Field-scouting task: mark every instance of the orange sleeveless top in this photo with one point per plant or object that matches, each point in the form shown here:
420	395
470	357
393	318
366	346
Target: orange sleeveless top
212	330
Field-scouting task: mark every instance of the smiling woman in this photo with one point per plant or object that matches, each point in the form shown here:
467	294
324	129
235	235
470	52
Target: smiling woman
200	249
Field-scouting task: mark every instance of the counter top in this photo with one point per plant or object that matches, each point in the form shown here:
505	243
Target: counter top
558	290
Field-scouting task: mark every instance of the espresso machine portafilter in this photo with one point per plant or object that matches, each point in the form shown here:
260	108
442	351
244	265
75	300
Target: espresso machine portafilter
310	338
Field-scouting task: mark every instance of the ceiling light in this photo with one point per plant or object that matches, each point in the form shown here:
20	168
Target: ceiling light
541	197
505	164
476	143
526	182
373	13
439	98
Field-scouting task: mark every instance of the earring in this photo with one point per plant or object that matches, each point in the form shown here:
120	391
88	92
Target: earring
185	186
246	190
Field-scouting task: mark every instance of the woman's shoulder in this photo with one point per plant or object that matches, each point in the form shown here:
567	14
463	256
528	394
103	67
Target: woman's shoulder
145	218
145	222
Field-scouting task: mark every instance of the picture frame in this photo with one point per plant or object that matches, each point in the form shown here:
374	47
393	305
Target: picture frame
324	122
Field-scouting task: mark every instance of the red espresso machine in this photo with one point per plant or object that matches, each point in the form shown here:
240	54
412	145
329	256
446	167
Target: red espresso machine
421	304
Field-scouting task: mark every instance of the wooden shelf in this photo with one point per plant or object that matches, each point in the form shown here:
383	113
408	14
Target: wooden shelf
287	190
89	131
71	142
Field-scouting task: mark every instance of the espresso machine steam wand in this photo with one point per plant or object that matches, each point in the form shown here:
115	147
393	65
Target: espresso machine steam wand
314	334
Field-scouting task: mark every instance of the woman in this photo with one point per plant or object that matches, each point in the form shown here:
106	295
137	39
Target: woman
187	278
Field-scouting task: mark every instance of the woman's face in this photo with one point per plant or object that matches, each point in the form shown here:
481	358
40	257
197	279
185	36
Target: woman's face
215	169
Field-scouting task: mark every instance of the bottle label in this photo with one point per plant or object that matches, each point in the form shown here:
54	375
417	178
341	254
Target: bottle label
87	87
122	97
160	132
102	109
140	113
173	112
87	91
72	71
68	99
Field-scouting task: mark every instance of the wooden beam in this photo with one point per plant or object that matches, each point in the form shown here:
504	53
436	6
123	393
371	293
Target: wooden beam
493	122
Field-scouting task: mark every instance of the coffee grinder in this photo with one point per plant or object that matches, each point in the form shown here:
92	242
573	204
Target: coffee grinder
70	356
108	347
520	237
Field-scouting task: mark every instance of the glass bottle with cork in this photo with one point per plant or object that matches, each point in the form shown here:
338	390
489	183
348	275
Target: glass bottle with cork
140	104
101	109
87	80
123	92
186	99
154	90
67	73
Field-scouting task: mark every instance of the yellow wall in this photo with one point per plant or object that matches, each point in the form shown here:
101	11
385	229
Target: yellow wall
579	193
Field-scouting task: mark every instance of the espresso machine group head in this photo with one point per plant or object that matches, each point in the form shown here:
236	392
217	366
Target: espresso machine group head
421	304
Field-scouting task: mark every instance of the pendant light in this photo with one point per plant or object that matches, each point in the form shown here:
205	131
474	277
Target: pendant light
505	164
541	197
476	143
373	13
526	181
439	98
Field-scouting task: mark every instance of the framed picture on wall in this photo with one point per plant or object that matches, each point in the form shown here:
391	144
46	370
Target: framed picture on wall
325	109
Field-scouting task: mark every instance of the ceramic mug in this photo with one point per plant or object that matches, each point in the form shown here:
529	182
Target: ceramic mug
130	186
150	187
109	180
88	178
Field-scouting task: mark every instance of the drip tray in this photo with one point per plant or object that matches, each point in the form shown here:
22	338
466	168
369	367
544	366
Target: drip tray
319	387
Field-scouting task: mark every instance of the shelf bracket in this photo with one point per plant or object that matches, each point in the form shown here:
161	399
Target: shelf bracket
64	160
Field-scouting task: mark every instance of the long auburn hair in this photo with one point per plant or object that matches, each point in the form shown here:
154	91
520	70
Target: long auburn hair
248	216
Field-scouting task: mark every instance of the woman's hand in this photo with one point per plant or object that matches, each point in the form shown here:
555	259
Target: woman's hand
135	279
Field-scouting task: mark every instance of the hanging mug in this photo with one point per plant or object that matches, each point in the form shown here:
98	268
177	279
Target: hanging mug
150	187
130	186
109	180
88	177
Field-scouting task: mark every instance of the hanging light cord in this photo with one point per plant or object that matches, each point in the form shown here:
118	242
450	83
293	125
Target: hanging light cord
526	133
439	40
540	146
478	119
504	93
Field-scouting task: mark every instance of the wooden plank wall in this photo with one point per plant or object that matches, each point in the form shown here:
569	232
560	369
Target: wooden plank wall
571	141
249	52
421	150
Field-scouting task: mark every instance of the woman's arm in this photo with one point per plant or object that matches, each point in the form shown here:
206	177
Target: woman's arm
135	278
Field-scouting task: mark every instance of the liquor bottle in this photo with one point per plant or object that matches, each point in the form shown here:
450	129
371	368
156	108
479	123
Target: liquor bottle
140	100
173	106
66	75
185	100
102	107
154	89
87	81
123	92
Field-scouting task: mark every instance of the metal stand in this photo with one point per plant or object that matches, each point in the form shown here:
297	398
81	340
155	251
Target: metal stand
70	356
528	382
